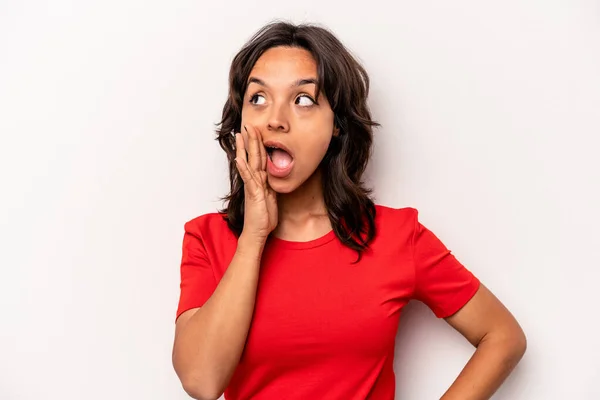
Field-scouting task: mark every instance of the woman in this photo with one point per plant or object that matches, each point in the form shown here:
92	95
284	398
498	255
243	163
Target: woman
294	291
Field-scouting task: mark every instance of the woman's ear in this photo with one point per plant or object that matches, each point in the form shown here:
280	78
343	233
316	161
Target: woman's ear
337	122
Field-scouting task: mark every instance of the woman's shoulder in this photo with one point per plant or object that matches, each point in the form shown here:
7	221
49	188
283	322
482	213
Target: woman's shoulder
396	214
213	222
394	220
394	227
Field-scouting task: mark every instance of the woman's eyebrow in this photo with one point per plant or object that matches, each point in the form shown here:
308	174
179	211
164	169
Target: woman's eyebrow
299	82
257	81
305	81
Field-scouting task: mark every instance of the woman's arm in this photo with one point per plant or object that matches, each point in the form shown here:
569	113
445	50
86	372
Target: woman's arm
209	340
500	343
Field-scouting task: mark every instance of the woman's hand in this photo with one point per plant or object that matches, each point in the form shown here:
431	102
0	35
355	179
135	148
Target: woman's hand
260	201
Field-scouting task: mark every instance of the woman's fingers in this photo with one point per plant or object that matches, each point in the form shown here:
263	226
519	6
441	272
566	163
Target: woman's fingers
242	168
241	161
240	148
254	160
251	156
263	151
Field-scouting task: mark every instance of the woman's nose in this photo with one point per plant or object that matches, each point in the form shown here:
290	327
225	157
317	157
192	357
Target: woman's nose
278	120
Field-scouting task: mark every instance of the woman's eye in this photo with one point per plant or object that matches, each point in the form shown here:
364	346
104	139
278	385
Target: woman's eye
304	101
257	99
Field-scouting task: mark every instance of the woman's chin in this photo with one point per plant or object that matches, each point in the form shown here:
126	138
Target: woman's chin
282	186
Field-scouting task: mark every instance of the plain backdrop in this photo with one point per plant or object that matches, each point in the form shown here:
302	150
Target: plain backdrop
490	116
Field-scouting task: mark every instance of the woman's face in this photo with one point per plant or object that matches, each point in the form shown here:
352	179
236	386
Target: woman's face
280	103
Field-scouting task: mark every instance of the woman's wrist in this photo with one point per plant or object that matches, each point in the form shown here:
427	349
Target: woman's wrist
251	245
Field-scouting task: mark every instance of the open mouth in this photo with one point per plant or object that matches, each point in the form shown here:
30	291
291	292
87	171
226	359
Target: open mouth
270	151
280	157
280	160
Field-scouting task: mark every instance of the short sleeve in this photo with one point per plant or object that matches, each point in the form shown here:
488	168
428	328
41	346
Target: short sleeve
198	281
441	281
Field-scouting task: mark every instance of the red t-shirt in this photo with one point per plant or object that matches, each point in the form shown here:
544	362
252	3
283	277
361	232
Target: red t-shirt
323	327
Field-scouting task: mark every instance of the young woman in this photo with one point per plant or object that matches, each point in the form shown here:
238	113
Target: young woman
294	291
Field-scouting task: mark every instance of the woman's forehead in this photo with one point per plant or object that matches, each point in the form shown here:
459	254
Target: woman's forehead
284	66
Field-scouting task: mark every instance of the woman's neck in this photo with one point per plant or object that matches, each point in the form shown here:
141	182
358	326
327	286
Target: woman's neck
302	213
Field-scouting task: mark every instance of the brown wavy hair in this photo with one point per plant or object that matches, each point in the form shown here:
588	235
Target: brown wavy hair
345	83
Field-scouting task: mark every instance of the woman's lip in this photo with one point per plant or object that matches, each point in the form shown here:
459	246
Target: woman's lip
279	145
277	172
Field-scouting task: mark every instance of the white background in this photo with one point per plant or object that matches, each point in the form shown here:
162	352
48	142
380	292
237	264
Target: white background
490	116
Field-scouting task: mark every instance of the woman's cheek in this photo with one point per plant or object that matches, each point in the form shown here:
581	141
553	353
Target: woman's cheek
325	147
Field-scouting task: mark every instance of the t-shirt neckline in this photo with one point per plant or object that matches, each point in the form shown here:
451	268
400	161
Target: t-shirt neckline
289	244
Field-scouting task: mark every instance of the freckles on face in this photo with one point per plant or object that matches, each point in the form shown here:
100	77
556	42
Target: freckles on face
280	101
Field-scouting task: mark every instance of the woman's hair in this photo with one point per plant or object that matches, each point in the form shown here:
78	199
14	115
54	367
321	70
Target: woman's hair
345	83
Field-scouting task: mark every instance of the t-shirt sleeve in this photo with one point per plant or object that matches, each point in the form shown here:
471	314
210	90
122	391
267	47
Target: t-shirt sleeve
441	281
198	281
